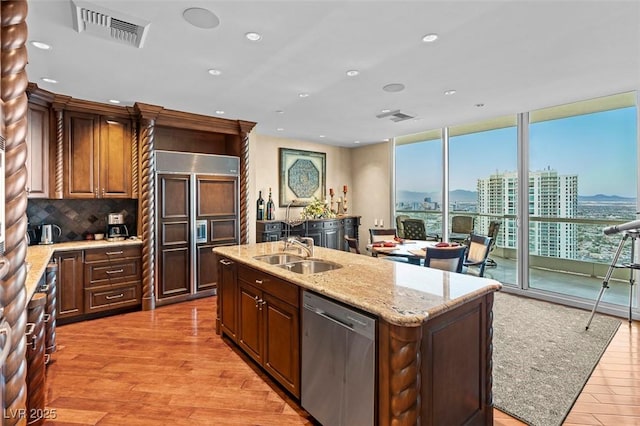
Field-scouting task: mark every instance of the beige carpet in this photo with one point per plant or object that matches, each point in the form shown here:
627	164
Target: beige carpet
543	356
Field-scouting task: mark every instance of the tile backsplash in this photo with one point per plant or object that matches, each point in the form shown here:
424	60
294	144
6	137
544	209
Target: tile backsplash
76	218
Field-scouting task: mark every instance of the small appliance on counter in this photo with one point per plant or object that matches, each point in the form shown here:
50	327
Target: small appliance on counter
46	233
116	229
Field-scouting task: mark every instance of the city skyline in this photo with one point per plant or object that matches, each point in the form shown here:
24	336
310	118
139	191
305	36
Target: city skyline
600	148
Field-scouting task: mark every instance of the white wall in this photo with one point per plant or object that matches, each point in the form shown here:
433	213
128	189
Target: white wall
264	173
371	196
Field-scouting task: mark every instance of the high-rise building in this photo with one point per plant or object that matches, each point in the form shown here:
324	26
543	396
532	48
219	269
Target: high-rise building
550	196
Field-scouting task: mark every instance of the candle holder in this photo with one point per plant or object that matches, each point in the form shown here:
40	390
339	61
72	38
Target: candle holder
344	202
331	206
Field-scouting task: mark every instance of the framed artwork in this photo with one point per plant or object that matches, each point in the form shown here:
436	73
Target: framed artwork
302	176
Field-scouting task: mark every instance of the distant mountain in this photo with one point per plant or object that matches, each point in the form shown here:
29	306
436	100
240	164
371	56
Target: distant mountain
603	197
455	195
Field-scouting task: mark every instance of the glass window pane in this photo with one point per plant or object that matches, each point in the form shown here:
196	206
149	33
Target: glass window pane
483	185
582	177
419	182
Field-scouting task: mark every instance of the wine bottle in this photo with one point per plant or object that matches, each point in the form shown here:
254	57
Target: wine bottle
260	203
271	208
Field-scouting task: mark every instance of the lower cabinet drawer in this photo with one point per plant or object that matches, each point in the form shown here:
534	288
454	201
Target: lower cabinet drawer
104	298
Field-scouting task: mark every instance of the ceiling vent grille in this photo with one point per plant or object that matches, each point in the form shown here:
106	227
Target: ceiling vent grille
396	115
108	24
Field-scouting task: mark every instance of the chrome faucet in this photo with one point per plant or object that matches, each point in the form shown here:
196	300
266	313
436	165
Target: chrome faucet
304	243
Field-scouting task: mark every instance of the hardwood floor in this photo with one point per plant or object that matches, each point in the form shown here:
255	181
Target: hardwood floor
168	367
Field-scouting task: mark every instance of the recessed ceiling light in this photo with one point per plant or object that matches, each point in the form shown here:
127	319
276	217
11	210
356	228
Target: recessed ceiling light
219	112
430	38
449	92
393	87
40	45
479	105
322	136
352	73
253	36
49	80
280	129
201	18
279	111
384	111
303	95
114	101
214	71
356	141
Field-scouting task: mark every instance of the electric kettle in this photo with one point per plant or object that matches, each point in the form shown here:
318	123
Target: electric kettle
46	237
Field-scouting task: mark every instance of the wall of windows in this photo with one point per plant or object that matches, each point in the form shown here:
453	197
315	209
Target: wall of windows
582	172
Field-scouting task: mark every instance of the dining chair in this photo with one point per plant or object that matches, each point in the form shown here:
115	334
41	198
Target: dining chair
352	243
445	258
475	259
380	234
400	224
414	229
461	228
494	228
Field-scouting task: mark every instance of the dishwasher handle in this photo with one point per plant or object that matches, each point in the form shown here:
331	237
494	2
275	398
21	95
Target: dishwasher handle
329	317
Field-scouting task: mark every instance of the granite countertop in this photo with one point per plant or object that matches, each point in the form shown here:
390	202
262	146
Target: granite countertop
38	257
400	293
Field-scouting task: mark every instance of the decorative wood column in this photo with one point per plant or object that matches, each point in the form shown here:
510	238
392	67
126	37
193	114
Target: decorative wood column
58	172
245	128
13	296
134	161
399	375
147	115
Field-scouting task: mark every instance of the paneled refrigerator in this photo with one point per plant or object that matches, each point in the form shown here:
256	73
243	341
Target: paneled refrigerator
197	208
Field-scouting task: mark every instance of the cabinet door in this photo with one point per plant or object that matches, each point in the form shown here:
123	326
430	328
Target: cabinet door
115	158
250	321
282	343
331	239
206	268
37	151
227	297
80	163
174	236
70	284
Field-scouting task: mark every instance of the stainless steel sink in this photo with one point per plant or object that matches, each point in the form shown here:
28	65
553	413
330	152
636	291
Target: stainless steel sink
310	266
278	258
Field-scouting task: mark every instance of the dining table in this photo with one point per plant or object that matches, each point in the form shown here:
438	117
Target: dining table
412	250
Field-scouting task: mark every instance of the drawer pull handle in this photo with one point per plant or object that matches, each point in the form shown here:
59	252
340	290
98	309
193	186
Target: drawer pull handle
47	359
44	288
117	296
28	331
226	262
117	271
111	253
258	281
46	317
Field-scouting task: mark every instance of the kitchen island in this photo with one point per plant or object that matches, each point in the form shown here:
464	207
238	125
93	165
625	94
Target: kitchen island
434	329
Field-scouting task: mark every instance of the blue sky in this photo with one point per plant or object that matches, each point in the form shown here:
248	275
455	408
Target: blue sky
600	148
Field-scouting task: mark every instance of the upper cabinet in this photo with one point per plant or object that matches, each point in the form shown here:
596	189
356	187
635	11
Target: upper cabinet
97	159
37	151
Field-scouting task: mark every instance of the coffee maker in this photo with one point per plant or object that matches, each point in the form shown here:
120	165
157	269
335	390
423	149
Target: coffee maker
116	229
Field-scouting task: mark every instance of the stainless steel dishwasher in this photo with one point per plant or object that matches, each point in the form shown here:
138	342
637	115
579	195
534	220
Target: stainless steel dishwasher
338	363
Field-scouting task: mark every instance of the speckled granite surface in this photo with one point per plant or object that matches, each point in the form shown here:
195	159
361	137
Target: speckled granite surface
38	257
399	293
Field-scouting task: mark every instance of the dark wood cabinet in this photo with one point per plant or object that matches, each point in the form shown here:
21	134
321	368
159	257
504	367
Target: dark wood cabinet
97	159
261	314
112	278
70	281
227	298
327	233
37	151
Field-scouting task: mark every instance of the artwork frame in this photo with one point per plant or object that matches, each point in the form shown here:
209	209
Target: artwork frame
302	176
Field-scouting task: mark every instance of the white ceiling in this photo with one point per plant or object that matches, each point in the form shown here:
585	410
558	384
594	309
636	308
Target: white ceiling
511	56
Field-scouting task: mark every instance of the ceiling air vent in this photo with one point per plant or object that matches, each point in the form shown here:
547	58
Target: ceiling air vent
108	24
396	115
